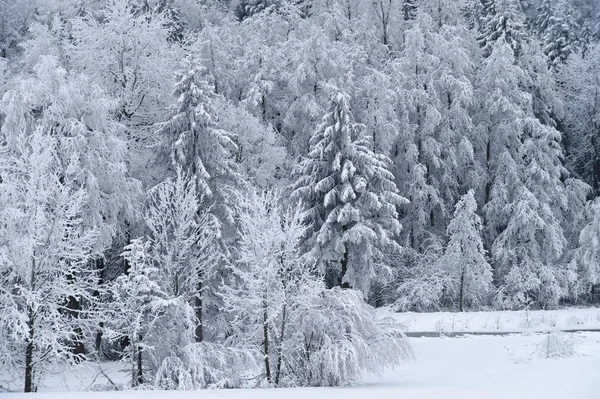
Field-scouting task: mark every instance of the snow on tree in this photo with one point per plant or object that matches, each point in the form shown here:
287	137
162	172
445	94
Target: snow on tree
559	37
465	257
580	89
419	161
344	341
261	154
273	284
195	142
129	55
421	285
587	254
409	9
352	199
499	123
44	255
78	113
505	22
183	237
135	296
166	283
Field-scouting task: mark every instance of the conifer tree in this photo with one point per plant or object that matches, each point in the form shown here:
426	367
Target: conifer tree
352	200
464	257
504	21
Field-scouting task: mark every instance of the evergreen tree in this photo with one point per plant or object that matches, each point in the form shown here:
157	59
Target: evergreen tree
559	36
352	200
196	143
464	257
409	9
587	254
504	21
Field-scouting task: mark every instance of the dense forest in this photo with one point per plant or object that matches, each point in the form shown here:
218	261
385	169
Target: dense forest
207	187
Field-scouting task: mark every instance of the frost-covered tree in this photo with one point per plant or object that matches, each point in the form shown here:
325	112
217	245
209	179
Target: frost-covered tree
352	199
587	254
499	121
273	286
79	115
465	257
44	255
195	142
560	35
183	246
504	21
409	9
580	88
129	55
136	296
344	341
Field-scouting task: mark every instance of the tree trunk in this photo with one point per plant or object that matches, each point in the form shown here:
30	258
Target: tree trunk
344	264
280	346
138	377
266	341
462	291
29	387
199	332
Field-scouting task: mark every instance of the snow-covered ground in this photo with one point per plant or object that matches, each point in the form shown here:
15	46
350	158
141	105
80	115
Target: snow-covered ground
478	367
508	321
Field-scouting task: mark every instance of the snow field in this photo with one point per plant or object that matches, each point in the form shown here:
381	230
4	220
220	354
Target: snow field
498	321
477	367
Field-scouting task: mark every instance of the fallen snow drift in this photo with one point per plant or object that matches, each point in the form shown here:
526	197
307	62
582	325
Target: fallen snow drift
498	321
478	367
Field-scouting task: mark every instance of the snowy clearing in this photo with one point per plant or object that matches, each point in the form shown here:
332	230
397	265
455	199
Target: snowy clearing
497	321
469	367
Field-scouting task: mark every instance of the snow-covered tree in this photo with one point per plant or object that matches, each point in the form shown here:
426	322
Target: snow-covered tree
409	9
560	35
273	285
129	55
44	255
587	254
344	341
504	21
465	258
580	87
136	298
79	115
183	246
195	142
352	199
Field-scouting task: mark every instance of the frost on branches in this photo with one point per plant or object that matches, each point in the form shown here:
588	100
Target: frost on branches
44	257
308	335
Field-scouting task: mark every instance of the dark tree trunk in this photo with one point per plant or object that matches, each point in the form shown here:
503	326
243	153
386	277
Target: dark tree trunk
199	332
280	348
139	377
266	341
29	387
462	291
344	264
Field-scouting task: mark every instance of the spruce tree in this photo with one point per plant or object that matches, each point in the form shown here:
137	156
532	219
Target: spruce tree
352	198
464	257
504	21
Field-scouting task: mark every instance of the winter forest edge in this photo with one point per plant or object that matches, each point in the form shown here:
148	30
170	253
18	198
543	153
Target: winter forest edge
221	192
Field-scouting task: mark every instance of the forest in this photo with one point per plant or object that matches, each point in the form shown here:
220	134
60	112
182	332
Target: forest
222	192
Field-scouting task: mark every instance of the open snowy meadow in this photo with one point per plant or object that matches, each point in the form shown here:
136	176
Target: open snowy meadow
543	364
